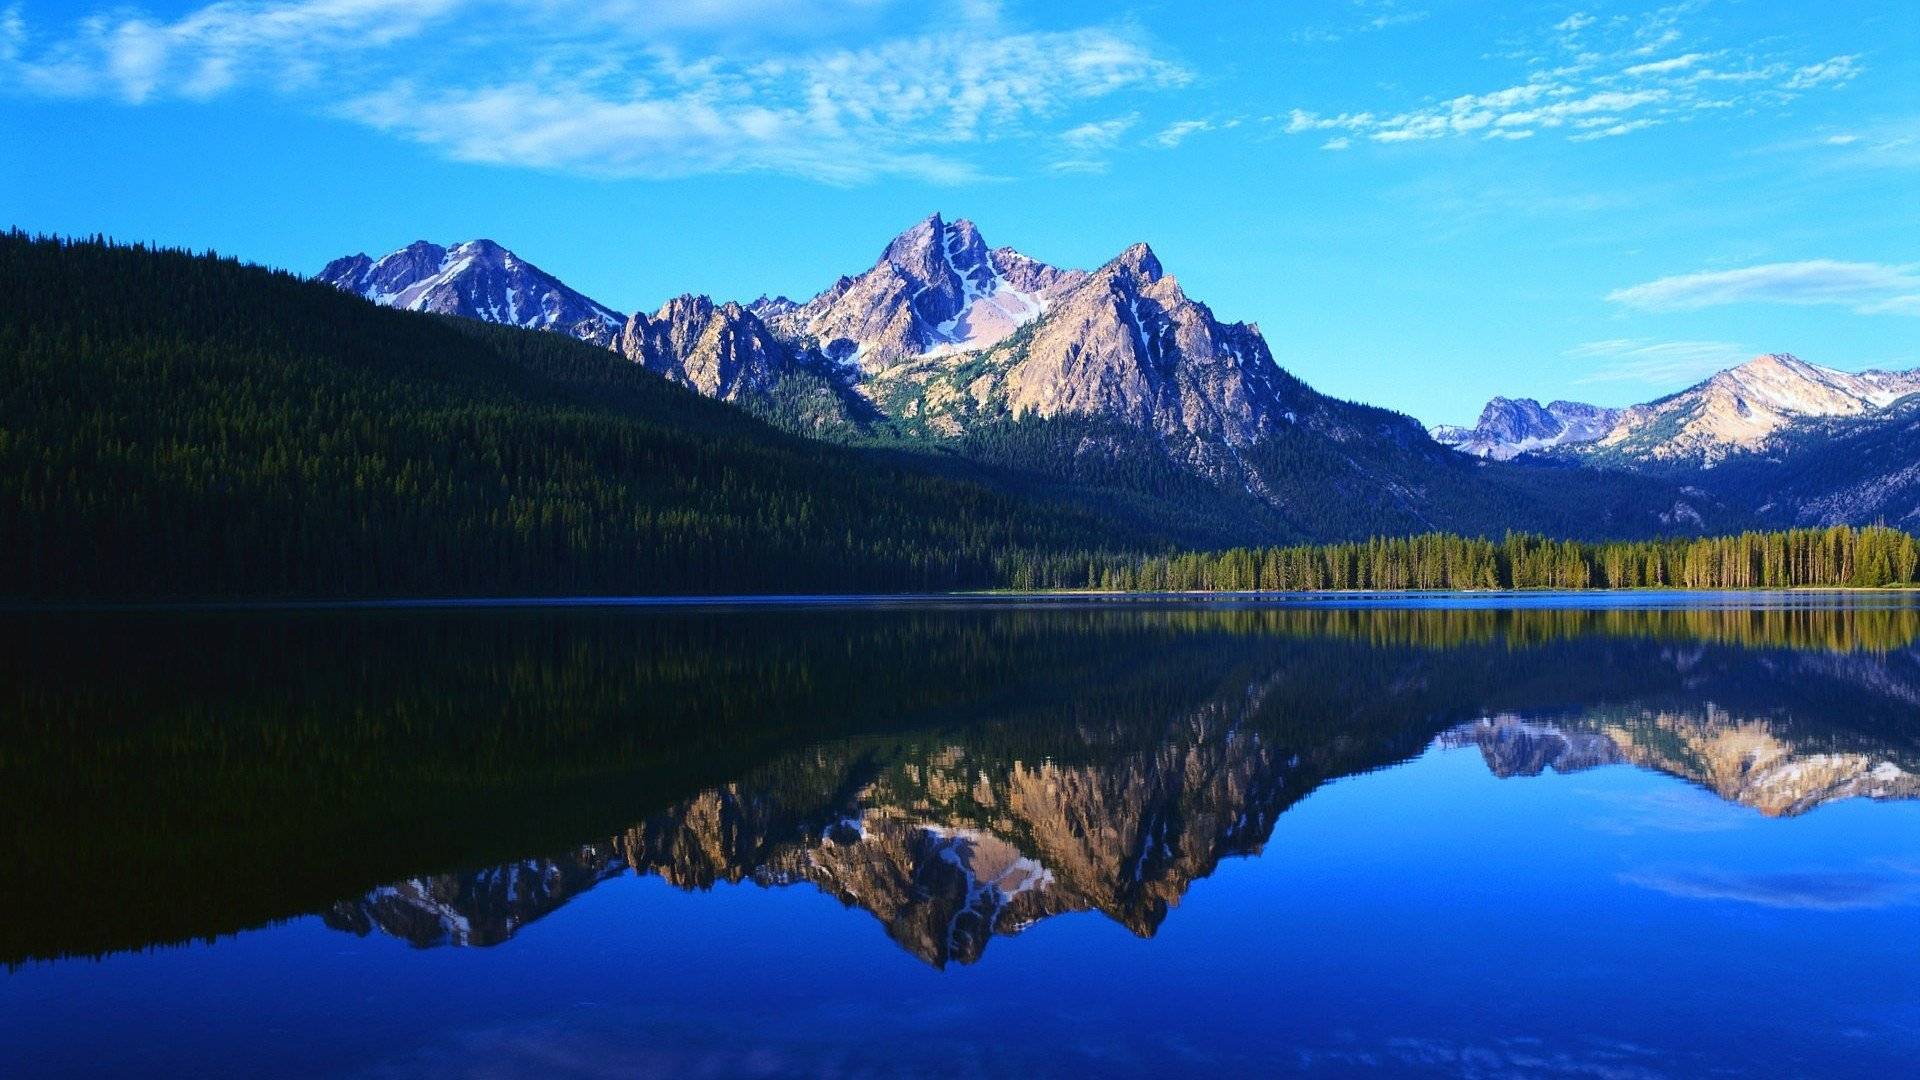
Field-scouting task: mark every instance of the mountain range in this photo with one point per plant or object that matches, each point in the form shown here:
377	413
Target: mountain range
941	336
1108	385
1788	441
1114	383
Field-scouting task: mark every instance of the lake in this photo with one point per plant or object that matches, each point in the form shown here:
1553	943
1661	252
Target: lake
1590	836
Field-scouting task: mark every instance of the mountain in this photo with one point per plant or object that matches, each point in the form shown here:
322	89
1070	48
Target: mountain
725	351
1745	409
1776	439
722	351
936	289
1124	344
1112	391
1508	428
1116	389
478	280
1753	408
1837	471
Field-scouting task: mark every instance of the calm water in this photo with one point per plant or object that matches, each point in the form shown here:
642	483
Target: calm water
965	839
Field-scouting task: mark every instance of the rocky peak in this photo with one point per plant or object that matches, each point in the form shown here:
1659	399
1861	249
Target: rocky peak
936	289
346	270
477	279
1509	427
771	307
1138	263
1744	408
723	351
1129	345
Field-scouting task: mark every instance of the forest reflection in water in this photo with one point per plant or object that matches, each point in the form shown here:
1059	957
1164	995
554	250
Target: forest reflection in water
959	772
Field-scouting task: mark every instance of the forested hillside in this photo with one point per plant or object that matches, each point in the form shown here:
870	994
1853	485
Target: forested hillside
179	426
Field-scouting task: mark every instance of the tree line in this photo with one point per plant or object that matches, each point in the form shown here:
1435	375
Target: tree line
1839	556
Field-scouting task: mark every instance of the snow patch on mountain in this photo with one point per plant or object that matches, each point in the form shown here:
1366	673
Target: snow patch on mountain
477	279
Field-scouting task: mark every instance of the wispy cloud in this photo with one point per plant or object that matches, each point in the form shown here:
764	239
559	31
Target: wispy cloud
1837	70
1656	362
1593	79
1868	288
211	50
1363	16
1176	133
1879	144
1813	890
619	90
1099	134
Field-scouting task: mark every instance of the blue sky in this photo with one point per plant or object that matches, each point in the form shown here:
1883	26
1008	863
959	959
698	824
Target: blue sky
1421	203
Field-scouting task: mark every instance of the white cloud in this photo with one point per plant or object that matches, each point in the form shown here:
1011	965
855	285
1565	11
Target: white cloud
1662	67
1837	70
620	89
1611	128
1869	288
214	48
1099	134
1339	142
1366	16
1611	71
1176	133
1657	362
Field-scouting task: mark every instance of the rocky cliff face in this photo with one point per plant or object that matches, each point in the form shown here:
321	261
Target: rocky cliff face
1123	344
936	289
477	280
1508	428
723	351
1743	409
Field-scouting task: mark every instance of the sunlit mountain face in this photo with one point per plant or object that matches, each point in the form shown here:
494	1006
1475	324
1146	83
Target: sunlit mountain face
956	774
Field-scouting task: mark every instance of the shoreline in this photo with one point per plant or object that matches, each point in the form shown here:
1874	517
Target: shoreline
1432	599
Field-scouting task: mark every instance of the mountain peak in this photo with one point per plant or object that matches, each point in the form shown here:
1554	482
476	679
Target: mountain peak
1779	363
936	289
1509	427
477	279
1140	261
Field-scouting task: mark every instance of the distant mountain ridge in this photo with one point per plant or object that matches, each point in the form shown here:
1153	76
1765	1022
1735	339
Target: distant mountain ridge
1791	442
1739	410
1742	409
1509	428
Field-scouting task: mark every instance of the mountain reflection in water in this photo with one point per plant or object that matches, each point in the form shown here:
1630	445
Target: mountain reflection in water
450	777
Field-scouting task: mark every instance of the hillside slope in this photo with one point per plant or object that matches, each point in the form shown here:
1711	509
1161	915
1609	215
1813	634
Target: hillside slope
179	426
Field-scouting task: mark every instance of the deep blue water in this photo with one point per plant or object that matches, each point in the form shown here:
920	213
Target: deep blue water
979	840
